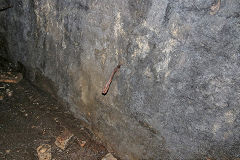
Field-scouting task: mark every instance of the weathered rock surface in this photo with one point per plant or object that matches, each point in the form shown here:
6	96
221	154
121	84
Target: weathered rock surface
177	93
3	27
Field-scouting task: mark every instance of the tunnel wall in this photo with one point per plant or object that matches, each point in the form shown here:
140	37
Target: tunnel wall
3	31
177	93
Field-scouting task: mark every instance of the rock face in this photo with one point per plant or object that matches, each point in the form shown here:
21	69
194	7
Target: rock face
177	94
3	27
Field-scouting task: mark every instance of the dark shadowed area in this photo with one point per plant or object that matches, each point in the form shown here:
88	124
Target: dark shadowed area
30	118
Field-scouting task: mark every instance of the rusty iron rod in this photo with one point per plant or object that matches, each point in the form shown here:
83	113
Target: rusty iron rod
107	86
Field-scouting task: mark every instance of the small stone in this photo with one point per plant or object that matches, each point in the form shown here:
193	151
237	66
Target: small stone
44	131
109	156
82	143
8	151
62	140
44	152
34	126
25	114
56	120
22	110
9	92
2	87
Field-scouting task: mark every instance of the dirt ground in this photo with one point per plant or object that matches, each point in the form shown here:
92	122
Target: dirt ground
30	118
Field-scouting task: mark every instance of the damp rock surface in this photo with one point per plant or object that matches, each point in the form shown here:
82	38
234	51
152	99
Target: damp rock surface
176	95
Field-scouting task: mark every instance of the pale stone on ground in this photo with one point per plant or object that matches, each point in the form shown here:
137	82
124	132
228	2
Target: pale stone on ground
44	152
62	140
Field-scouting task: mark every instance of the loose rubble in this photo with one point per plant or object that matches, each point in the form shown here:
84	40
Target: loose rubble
8	151
44	152
9	92
41	123
8	77
62	140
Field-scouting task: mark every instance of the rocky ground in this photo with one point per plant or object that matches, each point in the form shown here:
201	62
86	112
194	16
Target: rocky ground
35	126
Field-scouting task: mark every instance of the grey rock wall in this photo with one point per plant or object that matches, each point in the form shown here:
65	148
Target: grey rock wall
177	94
3	28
